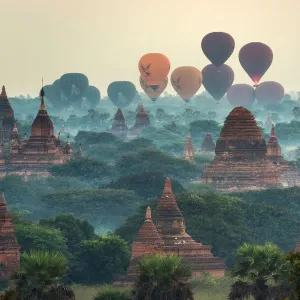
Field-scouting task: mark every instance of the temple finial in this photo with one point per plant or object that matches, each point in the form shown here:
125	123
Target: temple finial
2	200
3	93
148	213
42	94
273	130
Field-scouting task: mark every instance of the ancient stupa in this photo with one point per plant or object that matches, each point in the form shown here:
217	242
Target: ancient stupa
240	161
189	150
147	242
170	223
168	236
142	118
208	144
119	127
9	247
6	117
289	174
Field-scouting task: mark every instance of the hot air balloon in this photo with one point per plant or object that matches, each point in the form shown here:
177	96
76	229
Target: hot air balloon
150	92
73	84
217	80
154	68
93	96
256	58
269	92
121	93
241	95
218	47
186	81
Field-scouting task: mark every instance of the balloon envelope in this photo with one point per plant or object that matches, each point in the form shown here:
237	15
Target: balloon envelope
241	95
217	80
218	47
70	81
186	81
121	93
269	92
154	68
256	58
153	94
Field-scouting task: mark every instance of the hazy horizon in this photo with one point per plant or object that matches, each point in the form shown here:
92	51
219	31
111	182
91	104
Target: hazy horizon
105	39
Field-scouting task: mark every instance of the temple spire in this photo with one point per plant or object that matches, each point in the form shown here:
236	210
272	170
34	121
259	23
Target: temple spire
2	200
148	213
273	131
3	93
168	186
42	94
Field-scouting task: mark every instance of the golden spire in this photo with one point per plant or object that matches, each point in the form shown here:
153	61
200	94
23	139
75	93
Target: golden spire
42	94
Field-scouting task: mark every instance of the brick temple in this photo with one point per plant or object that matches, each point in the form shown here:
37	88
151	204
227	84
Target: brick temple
9	247
34	155
241	161
119	127
208	145
168	236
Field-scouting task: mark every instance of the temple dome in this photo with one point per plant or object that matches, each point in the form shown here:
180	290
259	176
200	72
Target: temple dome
240	136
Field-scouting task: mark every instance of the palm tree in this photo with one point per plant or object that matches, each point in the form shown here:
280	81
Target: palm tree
294	276
256	266
39	275
162	277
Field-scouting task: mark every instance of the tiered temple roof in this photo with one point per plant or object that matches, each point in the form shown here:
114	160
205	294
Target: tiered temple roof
208	144
9	247
289	174
6	117
169	237
119	126
170	223
142	118
42	149
240	161
189	150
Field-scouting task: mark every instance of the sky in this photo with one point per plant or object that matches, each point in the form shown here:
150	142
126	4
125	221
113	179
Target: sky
104	39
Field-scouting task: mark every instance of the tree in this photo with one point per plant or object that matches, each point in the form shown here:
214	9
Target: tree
163	278
35	237
296	112
87	169
74	230
147	185
294	268
97	261
255	266
103	208
39	276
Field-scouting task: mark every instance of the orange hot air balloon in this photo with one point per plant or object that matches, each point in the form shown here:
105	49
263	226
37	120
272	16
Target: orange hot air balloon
186	81
153	94
154	68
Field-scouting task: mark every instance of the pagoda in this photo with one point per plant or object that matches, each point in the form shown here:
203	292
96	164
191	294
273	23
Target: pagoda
189	150
289	174
170	223
240	162
6	117
208	144
147	242
168	236
9	247
119	127
142	119
42	149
